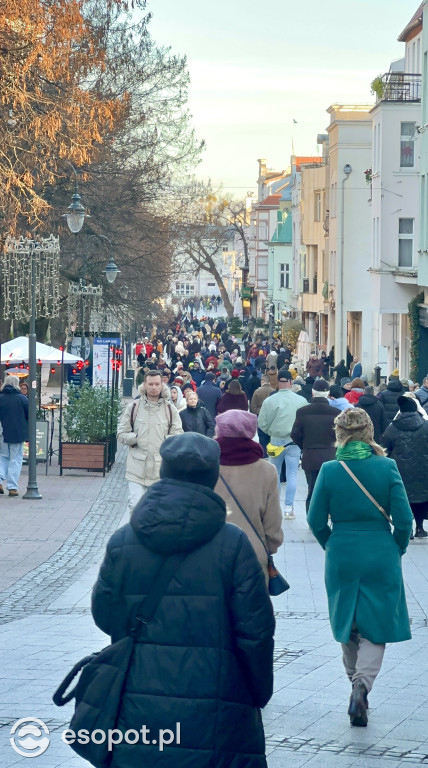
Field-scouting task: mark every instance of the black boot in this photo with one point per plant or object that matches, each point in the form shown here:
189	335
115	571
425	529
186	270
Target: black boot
357	710
420	533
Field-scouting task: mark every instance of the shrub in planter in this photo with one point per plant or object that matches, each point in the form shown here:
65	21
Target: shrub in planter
85	415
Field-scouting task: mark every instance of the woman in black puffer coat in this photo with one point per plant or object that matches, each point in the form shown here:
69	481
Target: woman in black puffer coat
406	440
196	418
206	661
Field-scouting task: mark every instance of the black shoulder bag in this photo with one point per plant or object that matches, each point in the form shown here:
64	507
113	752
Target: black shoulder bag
98	692
277	583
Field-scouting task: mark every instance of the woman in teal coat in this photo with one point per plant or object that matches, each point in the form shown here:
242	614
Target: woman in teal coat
363	576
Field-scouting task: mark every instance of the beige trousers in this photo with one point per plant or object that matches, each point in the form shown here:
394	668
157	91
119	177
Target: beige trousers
362	659
136	492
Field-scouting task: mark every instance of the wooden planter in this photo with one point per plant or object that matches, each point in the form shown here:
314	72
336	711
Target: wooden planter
91	456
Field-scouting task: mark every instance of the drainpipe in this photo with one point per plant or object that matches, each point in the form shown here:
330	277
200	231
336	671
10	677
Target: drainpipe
340	346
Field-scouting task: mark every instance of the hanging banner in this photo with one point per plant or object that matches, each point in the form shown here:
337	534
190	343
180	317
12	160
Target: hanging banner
100	359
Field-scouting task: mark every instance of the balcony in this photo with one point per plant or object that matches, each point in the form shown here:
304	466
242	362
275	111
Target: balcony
397	86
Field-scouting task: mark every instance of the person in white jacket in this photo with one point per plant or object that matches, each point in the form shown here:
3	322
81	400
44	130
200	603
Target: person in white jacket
143	426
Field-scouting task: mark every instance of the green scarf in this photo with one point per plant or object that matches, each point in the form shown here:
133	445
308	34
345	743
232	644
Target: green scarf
356	449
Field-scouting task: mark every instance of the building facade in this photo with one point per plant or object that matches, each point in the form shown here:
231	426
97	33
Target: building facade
393	182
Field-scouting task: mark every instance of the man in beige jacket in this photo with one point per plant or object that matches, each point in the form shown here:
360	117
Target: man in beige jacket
143	426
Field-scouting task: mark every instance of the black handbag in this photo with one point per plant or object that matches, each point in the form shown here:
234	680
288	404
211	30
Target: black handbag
277	583
98	692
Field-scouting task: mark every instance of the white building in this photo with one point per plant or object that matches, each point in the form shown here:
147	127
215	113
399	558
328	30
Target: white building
394	189
350	317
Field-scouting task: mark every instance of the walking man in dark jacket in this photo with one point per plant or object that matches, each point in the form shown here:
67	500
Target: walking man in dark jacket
209	394
14	422
313	432
389	397
374	408
206	659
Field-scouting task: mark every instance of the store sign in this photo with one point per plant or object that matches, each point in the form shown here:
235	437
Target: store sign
246	292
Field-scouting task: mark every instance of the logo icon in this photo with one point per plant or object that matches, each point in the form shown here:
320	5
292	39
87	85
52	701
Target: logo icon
27	737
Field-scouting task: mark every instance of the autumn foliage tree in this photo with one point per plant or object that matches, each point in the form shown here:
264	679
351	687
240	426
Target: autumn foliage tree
82	82
48	50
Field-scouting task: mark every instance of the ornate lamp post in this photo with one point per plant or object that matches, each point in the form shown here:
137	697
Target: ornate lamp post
28	292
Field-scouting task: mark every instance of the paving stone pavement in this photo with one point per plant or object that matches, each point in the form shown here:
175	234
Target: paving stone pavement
46	626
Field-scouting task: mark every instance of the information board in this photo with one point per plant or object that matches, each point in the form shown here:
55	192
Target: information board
100	359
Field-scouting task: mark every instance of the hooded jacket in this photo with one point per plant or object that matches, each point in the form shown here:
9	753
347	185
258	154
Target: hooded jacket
374	408
406	440
13	415
206	658
389	398
197	419
180	404
151	427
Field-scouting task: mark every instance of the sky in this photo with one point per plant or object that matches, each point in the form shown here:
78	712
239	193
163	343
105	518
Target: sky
256	67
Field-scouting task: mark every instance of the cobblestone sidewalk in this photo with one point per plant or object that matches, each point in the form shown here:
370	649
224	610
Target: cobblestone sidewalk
45	626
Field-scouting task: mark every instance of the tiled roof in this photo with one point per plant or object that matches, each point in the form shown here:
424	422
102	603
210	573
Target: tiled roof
414	22
306	160
271	200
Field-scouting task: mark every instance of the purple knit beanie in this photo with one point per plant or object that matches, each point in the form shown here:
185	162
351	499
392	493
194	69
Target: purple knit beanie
236	423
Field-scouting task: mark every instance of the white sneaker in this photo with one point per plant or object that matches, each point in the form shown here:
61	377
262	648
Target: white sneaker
289	513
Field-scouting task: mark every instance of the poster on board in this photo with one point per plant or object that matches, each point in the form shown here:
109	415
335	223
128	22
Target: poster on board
100	359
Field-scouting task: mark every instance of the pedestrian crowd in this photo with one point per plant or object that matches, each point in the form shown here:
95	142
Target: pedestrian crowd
217	427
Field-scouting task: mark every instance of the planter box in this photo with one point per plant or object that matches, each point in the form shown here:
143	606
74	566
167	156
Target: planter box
89	456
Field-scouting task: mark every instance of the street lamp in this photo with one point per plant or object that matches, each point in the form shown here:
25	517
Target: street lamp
111	271
76	215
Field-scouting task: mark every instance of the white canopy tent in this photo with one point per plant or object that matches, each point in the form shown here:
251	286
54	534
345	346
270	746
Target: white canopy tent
16	351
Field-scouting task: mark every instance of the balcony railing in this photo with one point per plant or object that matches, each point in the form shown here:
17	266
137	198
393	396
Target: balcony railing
398	86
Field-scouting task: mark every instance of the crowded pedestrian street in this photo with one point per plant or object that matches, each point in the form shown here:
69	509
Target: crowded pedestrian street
47	573
213	384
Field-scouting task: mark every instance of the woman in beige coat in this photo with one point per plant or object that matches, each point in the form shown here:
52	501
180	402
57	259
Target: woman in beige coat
253	481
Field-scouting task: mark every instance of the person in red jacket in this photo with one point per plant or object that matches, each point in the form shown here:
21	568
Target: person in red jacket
356	391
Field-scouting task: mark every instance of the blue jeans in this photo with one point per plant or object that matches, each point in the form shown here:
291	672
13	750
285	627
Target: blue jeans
291	456
11	464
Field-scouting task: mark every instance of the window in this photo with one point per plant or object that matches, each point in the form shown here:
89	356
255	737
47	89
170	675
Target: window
184	289
407	145
263	231
405	242
284	275
317	206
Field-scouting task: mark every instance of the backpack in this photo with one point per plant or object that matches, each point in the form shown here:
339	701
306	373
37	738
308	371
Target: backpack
135	405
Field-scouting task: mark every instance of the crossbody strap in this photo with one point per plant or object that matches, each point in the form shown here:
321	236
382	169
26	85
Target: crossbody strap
245	514
146	609
364	490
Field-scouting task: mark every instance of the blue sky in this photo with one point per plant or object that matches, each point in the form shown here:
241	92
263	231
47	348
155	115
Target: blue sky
255	66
